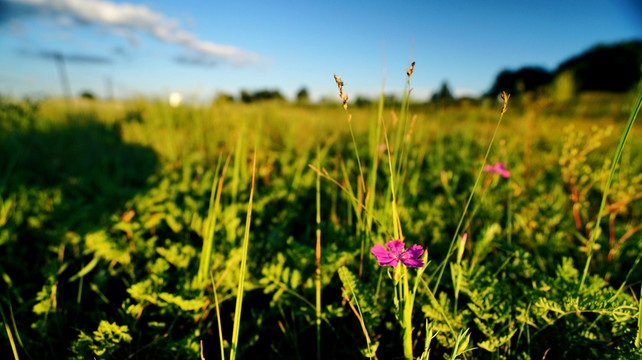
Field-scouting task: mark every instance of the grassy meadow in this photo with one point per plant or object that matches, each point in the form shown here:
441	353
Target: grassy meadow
136	230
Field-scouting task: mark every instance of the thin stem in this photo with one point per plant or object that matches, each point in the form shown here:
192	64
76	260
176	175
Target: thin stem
318	261
406	323
356	152
395	227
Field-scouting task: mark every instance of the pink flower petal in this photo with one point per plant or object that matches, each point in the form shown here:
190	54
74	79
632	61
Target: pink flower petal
384	257
413	262
499	168
379	251
396	253
393	263
395	246
414	251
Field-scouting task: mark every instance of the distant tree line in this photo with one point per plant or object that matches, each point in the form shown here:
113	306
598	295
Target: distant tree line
261	95
603	68
302	96
606	68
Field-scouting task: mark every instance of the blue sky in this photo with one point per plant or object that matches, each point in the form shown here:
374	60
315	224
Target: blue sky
203	47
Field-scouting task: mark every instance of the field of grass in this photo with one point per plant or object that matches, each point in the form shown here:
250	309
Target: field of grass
136	230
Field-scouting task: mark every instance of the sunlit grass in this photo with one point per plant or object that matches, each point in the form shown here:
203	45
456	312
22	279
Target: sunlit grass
240	195
243	269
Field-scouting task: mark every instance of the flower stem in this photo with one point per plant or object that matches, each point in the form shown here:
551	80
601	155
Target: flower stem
406	320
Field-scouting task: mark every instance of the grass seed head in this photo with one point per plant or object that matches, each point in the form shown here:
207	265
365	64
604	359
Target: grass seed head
339	82
411	70
342	95
504	97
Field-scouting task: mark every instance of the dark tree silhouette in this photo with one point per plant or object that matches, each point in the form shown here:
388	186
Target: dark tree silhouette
87	94
245	96
443	95
613	68
260	95
302	96
362	101
523	80
224	98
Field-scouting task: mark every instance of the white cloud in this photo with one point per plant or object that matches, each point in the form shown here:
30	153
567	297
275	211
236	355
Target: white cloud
122	18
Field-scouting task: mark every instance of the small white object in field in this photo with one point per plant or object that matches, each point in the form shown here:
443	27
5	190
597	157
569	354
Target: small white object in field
175	99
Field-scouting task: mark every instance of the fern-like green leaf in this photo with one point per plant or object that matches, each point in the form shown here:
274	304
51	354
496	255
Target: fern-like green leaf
360	297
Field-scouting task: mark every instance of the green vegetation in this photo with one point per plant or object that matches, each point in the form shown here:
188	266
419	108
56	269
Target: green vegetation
243	230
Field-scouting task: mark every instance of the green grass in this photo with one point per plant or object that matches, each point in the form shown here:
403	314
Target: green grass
137	230
609	181
243	268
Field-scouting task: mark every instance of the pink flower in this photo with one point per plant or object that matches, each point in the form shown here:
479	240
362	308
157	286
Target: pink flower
499	168
397	253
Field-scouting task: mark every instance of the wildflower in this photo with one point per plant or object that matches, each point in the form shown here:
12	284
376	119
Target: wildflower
499	168
397	253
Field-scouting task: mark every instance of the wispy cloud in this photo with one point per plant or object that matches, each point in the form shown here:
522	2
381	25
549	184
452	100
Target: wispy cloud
196	61
125	18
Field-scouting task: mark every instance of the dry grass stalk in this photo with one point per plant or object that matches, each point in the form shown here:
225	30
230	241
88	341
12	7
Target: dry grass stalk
342	95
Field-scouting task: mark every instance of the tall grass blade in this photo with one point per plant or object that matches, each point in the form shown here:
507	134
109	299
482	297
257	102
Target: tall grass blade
243	270
239	162
317	279
212	215
402	126
9	334
607	186
638	339
218	318
375	139
362	183
393	202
